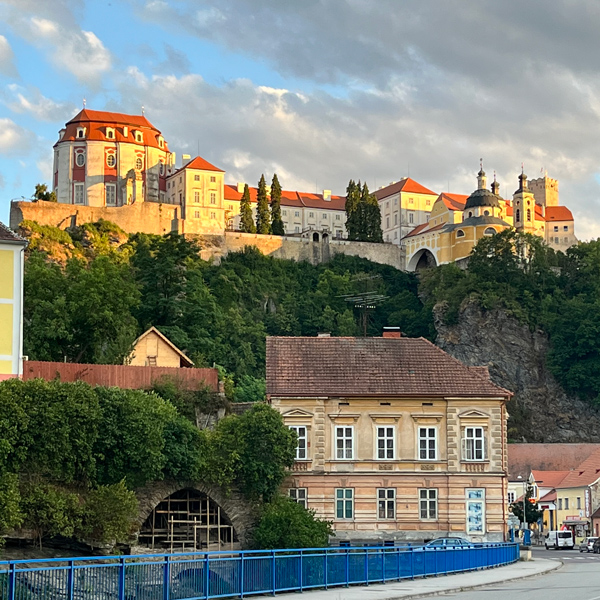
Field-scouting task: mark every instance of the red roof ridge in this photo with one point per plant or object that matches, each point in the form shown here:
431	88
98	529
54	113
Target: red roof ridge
199	163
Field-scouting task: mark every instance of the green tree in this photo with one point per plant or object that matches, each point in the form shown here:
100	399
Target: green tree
263	217
353	194
10	504
532	509
50	511
372	216
109	514
42	193
246	221
284	523
277	227
250	389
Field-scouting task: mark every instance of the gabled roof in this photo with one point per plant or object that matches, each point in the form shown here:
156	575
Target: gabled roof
370	367
424	228
8	236
165	339
200	164
404	185
524	458
292	199
548	479
453	201
558	213
583	474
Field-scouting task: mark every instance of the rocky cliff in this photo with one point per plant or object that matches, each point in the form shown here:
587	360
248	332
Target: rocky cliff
540	411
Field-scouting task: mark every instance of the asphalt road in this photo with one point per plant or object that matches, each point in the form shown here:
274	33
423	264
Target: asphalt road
577	579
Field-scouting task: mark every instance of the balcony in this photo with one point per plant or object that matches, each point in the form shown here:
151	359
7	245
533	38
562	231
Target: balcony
301	466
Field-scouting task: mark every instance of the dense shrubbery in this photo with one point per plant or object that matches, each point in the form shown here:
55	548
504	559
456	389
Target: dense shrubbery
71	454
557	292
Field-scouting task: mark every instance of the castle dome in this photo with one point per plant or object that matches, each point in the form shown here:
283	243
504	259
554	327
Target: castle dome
482	197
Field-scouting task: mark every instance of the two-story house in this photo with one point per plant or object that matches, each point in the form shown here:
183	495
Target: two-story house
397	440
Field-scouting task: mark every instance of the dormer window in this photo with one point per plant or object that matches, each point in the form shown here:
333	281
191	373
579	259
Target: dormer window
161	141
110	133
81	132
139	137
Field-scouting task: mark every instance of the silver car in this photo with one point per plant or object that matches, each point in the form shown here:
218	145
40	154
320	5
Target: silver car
587	544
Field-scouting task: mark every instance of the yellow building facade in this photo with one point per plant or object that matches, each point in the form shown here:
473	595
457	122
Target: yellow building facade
154	349
12	249
391	447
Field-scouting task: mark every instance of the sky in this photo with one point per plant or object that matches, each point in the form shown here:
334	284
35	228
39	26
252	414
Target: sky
318	91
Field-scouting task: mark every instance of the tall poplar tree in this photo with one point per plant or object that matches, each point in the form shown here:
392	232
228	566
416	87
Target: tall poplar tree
370	217
246	220
263	216
277	227
352	202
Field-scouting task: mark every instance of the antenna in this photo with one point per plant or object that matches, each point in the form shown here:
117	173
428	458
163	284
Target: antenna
84	103
366	301
143	110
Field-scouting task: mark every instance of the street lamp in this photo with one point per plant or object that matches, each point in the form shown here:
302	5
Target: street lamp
524	501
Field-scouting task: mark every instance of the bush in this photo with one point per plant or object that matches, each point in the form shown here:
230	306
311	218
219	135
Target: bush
286	524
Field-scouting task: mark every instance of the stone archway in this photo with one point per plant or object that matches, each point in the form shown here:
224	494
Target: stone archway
422	259
233	508
316	237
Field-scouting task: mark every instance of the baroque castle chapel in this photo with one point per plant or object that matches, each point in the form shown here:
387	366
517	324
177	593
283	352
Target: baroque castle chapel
119	167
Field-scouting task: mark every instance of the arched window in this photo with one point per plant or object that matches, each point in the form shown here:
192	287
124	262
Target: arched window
489	231
529	214
470	214
80	159
460	233
517	215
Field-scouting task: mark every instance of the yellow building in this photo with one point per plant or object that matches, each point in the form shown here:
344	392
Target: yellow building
154	349
12	249
396	439
456	223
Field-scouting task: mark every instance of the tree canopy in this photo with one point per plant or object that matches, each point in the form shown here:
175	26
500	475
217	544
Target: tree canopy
263	216
277	227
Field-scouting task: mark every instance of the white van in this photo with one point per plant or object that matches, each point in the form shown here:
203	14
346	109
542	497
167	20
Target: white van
559	539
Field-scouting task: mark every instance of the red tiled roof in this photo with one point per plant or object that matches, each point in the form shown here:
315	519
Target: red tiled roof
290	198
509	208
404	185
539	214
453	201
583	474
346	366
548	479
558	213
424	228
524	458
96	122
201	164
549	497
9	236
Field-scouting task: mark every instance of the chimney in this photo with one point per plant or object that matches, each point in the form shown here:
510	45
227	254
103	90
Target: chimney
327	195
185	159
392	332
323	334
240	187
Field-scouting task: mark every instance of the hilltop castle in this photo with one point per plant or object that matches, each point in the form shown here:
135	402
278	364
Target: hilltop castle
119	167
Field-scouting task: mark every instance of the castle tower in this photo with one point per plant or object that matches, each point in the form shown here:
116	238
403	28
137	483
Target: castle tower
545	190
524	207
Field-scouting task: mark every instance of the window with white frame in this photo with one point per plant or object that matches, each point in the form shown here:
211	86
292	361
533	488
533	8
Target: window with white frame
476	511
337	217
473	444
297	213
511	497
110	160
80	159
311	215
139	137
301	447
298	495
411	217
386	503
427	443
213	198
566	504
78	193
197	196
385	443
81	132
284	213
428	504
344	503
110	133
344	442
111	194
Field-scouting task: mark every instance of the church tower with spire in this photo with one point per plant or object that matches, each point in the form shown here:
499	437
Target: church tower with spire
524	206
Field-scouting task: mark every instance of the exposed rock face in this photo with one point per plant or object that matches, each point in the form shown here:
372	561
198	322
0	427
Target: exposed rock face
541	411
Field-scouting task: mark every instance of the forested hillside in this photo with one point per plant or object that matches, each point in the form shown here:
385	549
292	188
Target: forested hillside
89	292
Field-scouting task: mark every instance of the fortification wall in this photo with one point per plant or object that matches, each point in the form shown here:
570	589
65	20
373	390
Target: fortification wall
150	217
145	217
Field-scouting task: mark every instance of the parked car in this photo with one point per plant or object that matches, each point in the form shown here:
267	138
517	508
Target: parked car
449	542
596	546
559	539
587	544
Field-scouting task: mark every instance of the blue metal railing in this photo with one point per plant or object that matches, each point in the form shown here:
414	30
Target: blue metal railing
196	576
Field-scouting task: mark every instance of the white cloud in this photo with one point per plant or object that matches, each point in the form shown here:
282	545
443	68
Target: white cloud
7	66
31	101
13	138
79	52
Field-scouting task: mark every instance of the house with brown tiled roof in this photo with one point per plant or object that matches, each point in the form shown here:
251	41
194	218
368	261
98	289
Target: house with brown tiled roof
397	440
